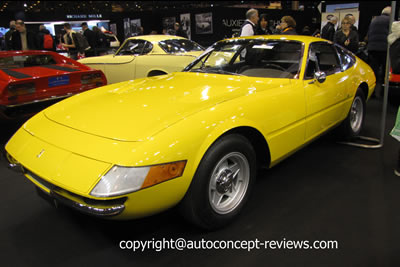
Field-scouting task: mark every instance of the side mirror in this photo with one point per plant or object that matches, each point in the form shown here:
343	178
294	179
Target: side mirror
320	76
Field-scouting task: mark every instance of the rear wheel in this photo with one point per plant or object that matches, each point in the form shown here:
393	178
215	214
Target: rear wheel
352	125
222	183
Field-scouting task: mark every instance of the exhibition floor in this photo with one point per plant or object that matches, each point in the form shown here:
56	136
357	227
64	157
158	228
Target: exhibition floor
326	191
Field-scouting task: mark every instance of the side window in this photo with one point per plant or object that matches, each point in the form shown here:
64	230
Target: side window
147	48
346	58
312	65
135	47
325	56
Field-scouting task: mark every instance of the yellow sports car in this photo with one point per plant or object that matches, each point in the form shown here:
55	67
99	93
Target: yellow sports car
146	56
195	137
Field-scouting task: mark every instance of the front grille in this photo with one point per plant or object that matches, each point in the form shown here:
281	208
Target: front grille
41	181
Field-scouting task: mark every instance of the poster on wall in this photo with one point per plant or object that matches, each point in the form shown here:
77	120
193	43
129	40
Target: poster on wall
168	24
127	28
136	27
185	24
204	23
325	17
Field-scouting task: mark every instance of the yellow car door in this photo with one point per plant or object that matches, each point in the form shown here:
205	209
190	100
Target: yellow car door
156	64
325	89
120	68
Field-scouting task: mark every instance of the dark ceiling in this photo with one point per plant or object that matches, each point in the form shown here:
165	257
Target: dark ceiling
124	6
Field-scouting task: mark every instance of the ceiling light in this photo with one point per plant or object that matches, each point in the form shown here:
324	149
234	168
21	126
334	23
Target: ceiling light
25	5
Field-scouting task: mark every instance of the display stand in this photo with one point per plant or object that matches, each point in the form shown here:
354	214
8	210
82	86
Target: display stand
374	142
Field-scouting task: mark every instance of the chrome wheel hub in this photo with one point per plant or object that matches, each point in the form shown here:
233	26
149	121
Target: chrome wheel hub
229	181
224	181
356	114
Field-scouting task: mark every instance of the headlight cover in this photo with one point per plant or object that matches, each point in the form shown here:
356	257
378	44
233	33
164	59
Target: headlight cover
121	180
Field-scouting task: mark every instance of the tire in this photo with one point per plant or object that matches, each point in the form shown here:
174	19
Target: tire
222	183
352	125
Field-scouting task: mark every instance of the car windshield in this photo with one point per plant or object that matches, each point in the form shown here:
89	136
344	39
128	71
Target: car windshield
135	47
179	46
23	61
252	57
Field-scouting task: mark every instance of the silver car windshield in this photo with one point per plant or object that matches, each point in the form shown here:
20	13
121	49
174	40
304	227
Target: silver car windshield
252	57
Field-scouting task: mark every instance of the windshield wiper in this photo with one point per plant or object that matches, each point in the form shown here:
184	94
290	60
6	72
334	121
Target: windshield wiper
220	71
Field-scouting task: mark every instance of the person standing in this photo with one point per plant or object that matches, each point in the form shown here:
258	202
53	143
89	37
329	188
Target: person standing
347	37
249	26
378	32
328	31
288	25
262	26
42	36
394	47
91	38
102	45
70	41
21	38
352	20
179	31
7	36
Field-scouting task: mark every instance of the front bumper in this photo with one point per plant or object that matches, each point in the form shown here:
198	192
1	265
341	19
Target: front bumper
54	194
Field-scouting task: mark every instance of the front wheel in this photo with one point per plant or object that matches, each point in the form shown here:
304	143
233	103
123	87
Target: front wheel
352	125
222	183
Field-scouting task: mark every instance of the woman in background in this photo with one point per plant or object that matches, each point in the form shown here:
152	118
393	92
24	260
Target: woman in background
347	37
262	26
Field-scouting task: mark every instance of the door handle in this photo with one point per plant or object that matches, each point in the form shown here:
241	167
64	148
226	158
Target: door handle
312	82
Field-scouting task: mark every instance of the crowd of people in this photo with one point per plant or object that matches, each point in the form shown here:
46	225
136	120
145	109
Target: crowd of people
92	42
345	35
89	42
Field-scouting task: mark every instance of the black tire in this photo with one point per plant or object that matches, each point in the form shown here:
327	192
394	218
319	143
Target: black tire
352	125
198	205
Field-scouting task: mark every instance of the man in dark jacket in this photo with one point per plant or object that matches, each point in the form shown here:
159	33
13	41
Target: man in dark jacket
378	32
21	39
8	35
328	31
91	38
40	39
179	31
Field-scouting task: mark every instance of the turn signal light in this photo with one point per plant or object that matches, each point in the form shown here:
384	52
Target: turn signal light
160	173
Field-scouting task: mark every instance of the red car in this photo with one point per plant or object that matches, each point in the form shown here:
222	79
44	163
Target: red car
394	88
33	80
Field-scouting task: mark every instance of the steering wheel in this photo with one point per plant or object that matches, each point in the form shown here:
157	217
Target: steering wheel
275	66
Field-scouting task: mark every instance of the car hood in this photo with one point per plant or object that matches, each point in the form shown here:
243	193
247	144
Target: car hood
137	110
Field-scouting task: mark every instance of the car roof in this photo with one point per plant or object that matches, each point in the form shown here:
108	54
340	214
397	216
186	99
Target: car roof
156	37
300	38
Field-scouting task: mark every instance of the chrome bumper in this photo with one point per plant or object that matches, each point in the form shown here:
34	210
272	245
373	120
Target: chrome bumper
93	210
55	195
